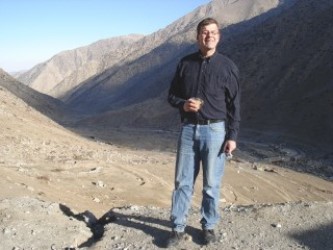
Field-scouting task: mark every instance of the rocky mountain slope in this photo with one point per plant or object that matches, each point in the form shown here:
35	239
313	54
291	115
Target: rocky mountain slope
45	104
63	190
147	73
126	61
60	190
65	70
284	56
91	185
287	78
284	61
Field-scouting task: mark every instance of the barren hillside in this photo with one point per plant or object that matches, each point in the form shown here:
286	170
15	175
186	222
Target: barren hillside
60	190
67	69
105	181
285	65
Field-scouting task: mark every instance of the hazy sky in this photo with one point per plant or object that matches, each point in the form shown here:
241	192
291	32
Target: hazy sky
32	31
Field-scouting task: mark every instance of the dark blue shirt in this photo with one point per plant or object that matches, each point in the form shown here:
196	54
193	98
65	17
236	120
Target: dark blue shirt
216	81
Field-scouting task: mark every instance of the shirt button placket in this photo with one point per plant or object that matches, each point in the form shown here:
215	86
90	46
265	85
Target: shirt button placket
202	77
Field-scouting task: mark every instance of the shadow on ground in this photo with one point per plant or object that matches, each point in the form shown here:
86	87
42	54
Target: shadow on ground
320	238
138	222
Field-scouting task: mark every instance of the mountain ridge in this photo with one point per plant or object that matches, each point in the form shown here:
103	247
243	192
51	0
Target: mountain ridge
272	56
45	104
74	65
162	59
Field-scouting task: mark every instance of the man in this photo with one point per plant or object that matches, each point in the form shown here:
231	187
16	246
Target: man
205	89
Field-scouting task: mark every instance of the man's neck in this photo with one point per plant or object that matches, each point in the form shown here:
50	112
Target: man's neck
207	53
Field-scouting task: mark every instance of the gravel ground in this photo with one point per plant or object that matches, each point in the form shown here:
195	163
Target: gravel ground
28	223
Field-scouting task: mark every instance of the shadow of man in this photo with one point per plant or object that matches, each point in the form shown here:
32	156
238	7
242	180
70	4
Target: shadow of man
139	222
96	225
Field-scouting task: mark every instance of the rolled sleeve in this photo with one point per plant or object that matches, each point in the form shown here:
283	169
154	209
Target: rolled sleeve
233	105
174	94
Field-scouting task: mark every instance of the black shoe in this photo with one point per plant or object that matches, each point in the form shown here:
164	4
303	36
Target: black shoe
208	236
174	239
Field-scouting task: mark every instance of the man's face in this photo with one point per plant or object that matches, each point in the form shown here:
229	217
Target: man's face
208	37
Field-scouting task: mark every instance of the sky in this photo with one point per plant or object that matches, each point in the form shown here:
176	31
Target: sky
32	31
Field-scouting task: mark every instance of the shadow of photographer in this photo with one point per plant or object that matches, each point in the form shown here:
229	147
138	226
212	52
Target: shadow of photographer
149	225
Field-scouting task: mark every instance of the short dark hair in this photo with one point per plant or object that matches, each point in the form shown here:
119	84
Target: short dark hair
205	22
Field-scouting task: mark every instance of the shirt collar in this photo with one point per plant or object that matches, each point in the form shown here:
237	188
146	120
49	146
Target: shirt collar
207	58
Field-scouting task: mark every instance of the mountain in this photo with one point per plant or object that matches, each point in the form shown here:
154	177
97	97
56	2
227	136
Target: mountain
27	134
148	71
64	70
285	64
117	66
48	106
62	191
283	50
70	192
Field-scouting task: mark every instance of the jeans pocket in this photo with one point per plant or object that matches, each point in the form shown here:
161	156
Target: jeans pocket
217	127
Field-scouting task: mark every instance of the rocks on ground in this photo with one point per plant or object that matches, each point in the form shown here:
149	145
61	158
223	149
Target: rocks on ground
28	223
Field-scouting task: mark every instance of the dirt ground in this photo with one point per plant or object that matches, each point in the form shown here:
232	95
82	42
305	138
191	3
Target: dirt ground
64	189
96	188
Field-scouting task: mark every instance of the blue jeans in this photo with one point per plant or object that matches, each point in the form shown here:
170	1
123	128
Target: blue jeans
198	143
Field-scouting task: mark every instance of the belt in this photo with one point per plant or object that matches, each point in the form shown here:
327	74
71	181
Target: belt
202	122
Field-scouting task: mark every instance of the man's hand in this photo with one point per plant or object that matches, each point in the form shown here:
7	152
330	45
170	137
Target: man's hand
229	146
192	105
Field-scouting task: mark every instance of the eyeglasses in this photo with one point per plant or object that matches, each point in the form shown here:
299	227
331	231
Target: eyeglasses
212	33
